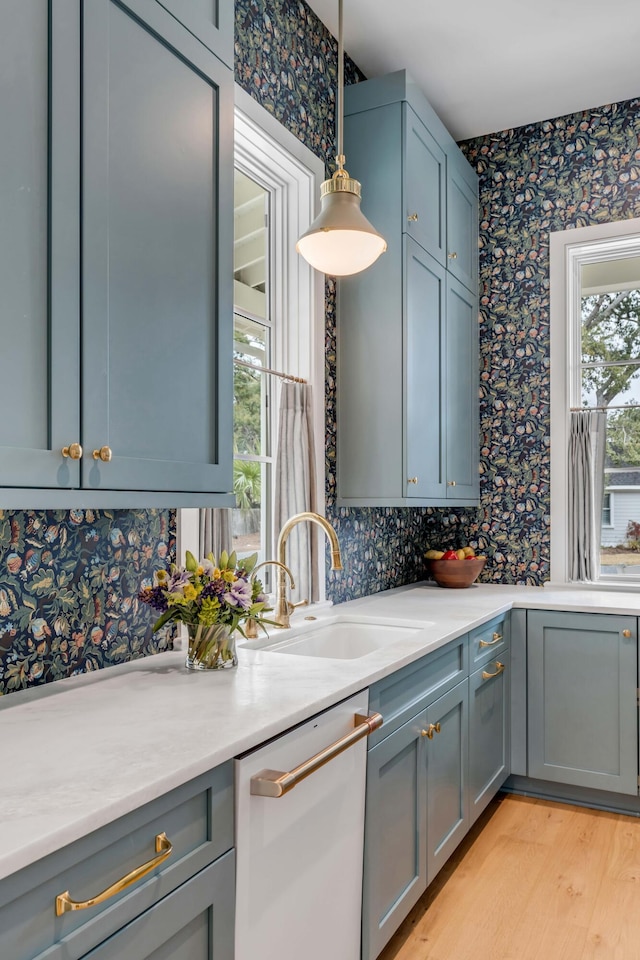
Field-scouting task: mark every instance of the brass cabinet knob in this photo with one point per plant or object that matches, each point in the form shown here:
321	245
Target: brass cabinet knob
451	483
412	480
431	729
453	256
104	454
74	451
413	218
626	633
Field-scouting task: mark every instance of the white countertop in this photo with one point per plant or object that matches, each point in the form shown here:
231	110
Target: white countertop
78	753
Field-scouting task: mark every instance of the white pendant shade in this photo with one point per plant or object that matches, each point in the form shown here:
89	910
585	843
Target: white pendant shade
341	241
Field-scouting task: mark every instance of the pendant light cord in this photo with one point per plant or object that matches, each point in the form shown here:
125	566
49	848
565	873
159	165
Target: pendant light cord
340	118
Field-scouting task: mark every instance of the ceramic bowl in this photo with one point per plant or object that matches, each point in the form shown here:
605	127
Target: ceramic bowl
456	573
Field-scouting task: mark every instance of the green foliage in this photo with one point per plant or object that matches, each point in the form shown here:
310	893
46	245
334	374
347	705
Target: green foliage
247	403
610	332
623	438
247	479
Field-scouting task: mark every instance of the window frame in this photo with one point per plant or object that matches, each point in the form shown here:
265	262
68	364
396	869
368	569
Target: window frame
568	250
609	494
270	154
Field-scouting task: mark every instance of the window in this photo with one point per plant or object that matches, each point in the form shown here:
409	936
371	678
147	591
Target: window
595	365
253	409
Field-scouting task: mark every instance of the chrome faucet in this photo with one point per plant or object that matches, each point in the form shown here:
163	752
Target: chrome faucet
284	607
251	627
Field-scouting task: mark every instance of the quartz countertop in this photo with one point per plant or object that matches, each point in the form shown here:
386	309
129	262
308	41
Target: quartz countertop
79	753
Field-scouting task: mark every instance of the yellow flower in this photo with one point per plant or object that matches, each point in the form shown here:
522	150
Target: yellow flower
190	592
216	573
229	576
161	576
199	571
208	611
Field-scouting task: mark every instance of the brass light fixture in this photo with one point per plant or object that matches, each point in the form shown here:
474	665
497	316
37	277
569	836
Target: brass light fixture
340	241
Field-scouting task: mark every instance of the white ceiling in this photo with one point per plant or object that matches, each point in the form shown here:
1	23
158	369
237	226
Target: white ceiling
487	65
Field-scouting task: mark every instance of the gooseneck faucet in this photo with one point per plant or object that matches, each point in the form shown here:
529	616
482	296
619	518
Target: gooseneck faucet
284	607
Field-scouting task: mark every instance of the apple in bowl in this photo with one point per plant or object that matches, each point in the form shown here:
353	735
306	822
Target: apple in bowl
455	568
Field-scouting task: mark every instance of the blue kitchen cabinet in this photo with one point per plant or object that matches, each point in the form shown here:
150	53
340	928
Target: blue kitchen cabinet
195	922
136	369
417	802
446	743
186	901
407	351
395	844
489	731
582	700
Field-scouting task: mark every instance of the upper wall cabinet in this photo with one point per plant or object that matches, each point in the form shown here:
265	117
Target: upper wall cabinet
408	358
116	172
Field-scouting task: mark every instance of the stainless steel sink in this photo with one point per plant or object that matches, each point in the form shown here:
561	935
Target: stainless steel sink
337	640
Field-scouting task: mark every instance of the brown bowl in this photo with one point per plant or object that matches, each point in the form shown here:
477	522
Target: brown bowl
456	573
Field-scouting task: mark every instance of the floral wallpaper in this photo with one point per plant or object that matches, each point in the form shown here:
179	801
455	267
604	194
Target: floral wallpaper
68	590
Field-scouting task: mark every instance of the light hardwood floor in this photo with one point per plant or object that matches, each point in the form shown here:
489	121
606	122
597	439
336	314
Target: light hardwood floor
533	880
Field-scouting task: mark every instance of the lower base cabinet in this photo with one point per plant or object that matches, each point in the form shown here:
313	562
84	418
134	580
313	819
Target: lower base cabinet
195	922
416	813
489	746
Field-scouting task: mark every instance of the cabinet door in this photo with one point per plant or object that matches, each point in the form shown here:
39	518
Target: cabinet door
195	922
488	732
157	243
446	766
461	392
424	337
424	187
395	863
582	700
39	199
462	221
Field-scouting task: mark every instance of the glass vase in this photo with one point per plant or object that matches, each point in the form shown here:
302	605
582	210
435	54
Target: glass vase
211	648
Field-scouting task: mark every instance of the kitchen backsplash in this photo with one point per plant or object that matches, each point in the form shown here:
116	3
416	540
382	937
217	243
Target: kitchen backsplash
68	590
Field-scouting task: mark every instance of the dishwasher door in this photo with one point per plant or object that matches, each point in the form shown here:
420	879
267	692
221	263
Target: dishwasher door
299	856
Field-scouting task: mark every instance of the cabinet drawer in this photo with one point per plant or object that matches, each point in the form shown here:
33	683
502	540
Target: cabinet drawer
488	641
197	819
403	694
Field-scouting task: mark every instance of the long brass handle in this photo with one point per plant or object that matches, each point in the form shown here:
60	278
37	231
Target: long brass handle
499	670
164	849
431	729
275	783
73	451
104	454
497	637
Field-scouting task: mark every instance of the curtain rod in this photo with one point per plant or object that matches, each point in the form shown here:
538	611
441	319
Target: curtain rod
623	406
274	373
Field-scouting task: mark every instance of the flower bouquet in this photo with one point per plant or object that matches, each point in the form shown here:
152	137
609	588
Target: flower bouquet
213	599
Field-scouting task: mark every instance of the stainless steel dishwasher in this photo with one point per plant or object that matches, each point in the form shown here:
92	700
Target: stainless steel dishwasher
299	839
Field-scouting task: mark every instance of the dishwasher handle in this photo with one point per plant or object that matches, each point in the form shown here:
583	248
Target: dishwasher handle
275	783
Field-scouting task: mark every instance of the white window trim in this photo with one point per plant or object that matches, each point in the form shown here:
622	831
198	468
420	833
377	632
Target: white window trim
269	153
566	254
611	524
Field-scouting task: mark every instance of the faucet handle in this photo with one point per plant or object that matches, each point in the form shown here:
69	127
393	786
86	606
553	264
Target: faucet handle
300	603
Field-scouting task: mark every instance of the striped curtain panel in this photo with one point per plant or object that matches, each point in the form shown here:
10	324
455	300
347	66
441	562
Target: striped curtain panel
587	440
295	484
215	531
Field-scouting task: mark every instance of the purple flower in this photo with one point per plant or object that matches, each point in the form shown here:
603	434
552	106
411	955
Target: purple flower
178	581
239	595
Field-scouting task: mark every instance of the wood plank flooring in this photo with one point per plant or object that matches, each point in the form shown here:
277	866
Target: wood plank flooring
533	880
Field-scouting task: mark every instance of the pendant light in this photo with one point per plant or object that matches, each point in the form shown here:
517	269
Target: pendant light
340	241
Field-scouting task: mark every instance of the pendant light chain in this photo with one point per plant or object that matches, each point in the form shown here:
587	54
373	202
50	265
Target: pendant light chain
340	119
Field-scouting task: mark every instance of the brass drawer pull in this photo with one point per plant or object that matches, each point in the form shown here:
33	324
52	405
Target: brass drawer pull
74	451
453	256
626	633
431	729
497	637
413	218
451	483
412	480
164	849
275	783
499	670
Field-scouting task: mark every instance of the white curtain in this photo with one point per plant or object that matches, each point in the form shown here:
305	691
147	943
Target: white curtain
215	531
295	484
587	439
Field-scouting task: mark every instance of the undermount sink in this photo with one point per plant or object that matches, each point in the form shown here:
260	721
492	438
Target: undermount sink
339	640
